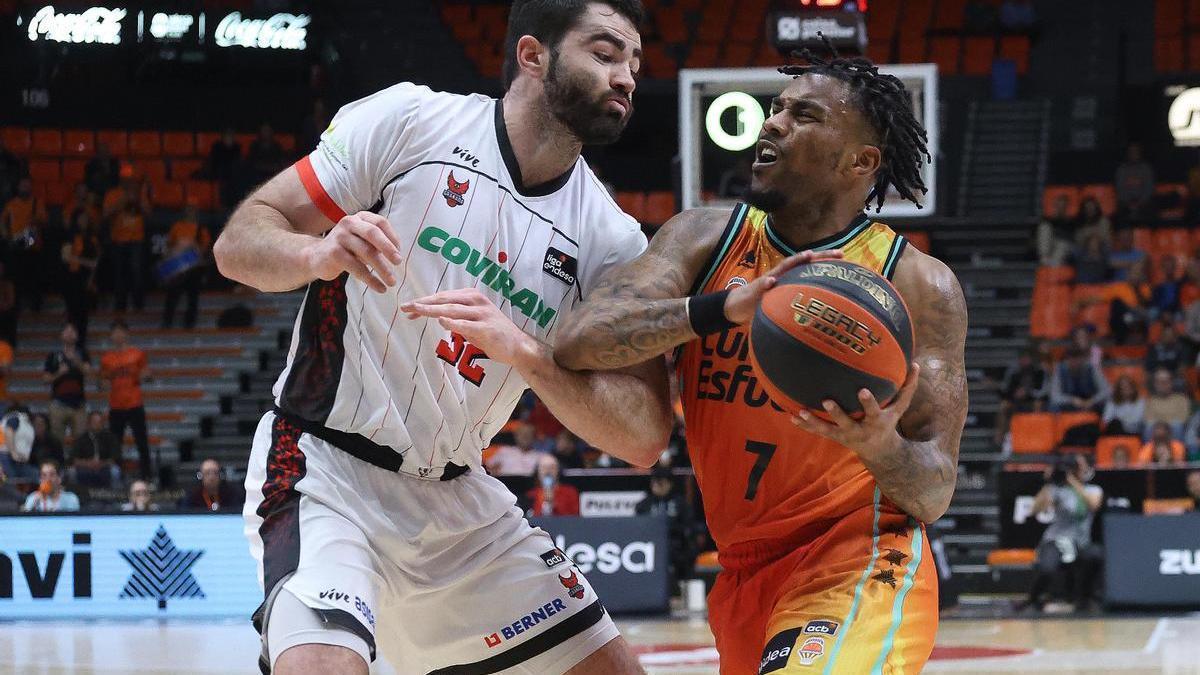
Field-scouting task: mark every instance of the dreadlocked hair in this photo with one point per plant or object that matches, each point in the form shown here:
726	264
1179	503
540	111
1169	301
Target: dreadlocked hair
885	103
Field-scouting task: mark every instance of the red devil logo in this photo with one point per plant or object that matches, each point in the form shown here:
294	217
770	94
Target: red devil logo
571	583
455	191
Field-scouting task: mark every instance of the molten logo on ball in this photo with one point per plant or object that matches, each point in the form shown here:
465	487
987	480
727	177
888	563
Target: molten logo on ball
831	321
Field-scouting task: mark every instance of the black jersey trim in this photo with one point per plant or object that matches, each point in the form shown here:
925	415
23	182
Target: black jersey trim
893	260
574	625
860	223
718	253
514	168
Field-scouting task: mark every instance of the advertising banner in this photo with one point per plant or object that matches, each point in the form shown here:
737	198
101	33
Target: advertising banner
1152	560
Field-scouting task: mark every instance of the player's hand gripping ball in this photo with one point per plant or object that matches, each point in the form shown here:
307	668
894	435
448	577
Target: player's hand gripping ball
827	330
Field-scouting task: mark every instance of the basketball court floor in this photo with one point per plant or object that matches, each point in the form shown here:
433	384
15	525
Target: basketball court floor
681	646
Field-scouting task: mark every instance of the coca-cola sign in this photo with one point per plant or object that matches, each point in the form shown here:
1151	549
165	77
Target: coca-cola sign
280	31
93	25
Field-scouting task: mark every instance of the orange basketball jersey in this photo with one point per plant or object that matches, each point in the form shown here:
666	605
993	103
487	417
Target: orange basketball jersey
767	485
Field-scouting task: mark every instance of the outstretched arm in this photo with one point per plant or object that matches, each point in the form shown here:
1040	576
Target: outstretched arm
639	310
911	446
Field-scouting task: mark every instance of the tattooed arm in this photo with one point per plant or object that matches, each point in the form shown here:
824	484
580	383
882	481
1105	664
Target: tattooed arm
911	446
638	310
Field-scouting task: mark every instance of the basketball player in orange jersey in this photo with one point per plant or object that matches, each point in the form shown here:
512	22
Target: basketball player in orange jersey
819	525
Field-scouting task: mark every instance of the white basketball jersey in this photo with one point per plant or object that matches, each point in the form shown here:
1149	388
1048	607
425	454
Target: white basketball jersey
440	168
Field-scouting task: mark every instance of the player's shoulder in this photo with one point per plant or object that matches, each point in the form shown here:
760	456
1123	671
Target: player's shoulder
601	203
928	285
698	229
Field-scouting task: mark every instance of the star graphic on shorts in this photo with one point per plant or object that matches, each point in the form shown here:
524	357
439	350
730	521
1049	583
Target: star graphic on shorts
894	556
886	577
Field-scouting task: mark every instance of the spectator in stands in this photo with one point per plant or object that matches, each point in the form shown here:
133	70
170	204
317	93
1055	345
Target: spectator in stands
566	450
212	492
1124	412
550	497
1091	262
50	496
66	371
102	172
1162	448
16	443
1120	457
1091	222
224	166
1193	488
127	211
1167	352
46	448
1077	384
1017	15
81	200
315	124
8	307
265	156
1127	302
1123	255
1134	184
1067	542
663	500
1083	336
1166	404
1165	298
519	459
1025	388
96	456
81	258
124	368
186	239
12	170
22	223
10	498
140	500
1055	234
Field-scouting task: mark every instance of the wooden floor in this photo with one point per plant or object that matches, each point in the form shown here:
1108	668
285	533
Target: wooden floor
666	647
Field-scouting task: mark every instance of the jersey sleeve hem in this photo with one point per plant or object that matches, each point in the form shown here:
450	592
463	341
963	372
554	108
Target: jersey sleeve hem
316	191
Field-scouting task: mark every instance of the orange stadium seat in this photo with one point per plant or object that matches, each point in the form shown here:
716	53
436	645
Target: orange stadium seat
1193	13
1193	53
1051	322
182	169
944	51
1063	422
659	63
737	55
455	13
880	51
1171	241
491	13
145	144
17	139
287	142
245	141
1033	433
1168	17
949	15
1173	195
714	23
1168	54
882	20
660	206
1143	239
767	57
79	142
702	55
1097	316
47	143
1169	507
44	170
1136	373
495	31
1061	274
467	32
916	15
178	143
1015	48
1051	194
58	192
1011	557
116	140
492	66
633	203
913	48
747	23
205	140
1107	444
167	194
978	54
200	194
153	170
73	170
918	240
1125	352
671	26
1103	193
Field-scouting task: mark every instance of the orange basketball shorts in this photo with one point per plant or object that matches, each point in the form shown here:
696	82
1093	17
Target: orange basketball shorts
859	599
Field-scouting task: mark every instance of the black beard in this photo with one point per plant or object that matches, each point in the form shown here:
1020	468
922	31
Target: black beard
589	120
764	200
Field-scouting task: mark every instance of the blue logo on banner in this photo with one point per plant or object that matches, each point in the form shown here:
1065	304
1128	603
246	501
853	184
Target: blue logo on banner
161	571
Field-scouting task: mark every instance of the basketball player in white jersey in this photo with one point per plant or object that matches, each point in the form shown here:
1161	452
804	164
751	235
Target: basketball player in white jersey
368	510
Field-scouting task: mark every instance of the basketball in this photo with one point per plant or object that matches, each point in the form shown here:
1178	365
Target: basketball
827	330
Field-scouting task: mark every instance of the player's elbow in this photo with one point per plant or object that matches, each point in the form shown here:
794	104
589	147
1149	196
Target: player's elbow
568	353
936	507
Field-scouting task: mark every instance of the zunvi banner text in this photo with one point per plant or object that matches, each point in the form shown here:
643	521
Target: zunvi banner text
1152	560
594	504
625	559
127	566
